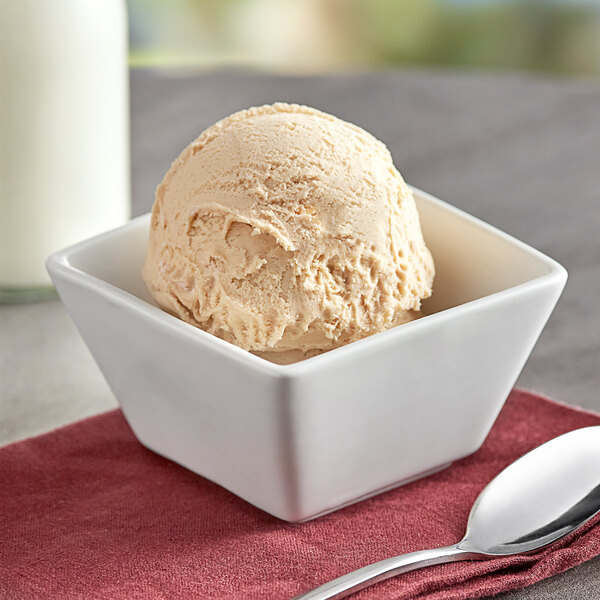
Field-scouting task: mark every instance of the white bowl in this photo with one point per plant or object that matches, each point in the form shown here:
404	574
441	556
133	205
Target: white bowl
305	439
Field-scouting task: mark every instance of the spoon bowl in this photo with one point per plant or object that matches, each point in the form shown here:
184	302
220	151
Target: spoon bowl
540	498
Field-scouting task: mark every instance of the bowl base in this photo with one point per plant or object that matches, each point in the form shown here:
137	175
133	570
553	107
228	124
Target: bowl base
386	488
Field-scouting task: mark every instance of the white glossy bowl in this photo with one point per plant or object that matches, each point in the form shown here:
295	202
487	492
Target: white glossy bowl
304	439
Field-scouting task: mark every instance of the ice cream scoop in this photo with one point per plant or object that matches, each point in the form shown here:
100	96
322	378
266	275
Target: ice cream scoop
288	232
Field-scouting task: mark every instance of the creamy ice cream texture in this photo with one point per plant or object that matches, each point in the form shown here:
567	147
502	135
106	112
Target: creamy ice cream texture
288	232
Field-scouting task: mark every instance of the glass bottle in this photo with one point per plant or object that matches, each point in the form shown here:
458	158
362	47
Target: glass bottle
64	132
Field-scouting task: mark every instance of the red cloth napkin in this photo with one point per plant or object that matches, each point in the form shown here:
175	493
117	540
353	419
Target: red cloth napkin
87	512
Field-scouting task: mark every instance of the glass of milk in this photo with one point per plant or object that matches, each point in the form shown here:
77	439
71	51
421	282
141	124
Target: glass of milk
64	132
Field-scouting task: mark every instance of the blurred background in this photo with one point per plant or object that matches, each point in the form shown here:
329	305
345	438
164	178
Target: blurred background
313	36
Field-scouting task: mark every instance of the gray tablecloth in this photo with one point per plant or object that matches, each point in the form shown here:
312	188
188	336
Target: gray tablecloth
520	152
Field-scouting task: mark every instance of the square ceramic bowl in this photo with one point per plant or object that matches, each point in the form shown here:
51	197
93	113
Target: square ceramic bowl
305	439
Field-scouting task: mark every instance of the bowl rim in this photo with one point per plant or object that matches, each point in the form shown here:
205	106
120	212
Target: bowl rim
58	265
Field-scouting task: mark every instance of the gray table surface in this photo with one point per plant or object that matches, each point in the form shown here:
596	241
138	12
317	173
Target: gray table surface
520	152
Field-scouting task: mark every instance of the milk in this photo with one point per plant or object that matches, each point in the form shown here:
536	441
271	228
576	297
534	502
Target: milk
64	130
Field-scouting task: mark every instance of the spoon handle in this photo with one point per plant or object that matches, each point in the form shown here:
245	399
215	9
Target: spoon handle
379	571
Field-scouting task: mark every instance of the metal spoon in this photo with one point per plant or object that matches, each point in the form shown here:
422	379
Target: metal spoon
538	499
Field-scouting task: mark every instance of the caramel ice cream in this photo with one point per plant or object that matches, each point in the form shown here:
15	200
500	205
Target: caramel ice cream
287	232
